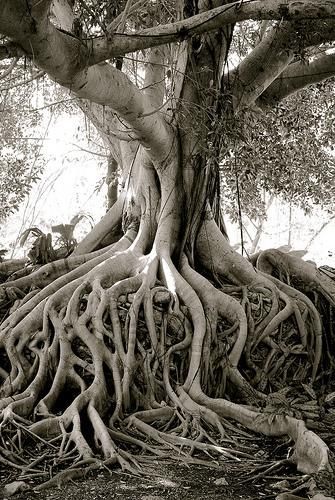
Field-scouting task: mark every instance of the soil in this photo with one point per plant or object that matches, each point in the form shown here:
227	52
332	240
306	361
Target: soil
164	481
169	479
261	476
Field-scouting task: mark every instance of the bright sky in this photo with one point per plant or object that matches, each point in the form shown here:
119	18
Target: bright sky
67	186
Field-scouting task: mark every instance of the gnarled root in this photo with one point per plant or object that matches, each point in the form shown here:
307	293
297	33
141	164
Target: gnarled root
128	348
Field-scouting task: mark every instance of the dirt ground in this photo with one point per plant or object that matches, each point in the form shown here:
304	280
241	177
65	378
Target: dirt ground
163	481
169	479
261	475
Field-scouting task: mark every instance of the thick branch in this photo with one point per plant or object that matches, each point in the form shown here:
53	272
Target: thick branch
64	58
109	125
297	76
273	54
106	224
258	70
154	83
15	15
120	44
63	15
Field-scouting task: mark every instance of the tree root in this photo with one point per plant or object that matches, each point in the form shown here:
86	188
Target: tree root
293	270
127	350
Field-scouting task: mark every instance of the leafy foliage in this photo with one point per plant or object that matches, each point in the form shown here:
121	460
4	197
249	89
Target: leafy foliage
93	16
41	250
287	152
44	250
20	160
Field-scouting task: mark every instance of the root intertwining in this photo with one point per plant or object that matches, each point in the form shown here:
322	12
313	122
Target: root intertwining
126	357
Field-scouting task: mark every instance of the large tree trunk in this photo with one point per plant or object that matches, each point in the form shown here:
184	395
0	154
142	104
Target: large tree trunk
167	332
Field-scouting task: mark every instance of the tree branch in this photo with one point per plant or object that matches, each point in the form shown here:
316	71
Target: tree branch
119	44
62	14
154	83
297	76
108	125
36	76
317	233
261	66
114	25
64	58
273	55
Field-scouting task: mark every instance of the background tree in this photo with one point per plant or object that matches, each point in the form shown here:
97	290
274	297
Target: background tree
163	333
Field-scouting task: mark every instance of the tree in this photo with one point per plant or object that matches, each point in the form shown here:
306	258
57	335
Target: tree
165	332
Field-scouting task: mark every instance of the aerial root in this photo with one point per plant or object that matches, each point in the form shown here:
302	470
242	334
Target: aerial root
264	470
73	447
293	312
216	303
31	311
269	327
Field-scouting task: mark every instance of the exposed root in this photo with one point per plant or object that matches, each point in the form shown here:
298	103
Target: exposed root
291	269
128	350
